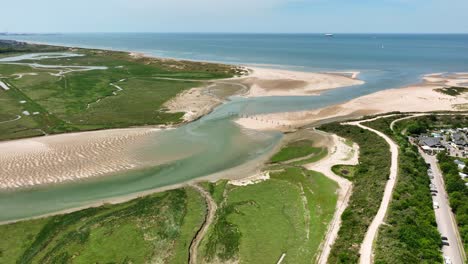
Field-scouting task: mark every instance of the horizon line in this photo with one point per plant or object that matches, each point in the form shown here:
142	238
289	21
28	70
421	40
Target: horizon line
216	32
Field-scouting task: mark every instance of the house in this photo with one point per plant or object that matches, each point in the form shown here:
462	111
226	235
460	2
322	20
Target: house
463	175
430	145
432	142
461	164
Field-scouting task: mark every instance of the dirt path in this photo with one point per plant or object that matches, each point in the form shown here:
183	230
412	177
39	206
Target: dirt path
366	250
209	217
339	153
18	117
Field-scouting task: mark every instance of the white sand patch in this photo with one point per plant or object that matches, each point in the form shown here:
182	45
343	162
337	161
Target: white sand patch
194	103
259	177
20	75
4	86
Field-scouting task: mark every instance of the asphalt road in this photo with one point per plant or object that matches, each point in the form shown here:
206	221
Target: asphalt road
444	217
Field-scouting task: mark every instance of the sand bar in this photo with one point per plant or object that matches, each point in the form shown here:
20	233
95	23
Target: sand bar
274	82
67	157
416	98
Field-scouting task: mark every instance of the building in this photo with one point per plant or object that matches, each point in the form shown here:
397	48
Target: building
431	145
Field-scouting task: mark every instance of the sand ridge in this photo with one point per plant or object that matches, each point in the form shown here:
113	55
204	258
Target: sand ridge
67	157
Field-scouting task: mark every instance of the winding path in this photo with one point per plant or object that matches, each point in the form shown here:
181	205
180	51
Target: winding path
18	117
336	156
209	217
366	250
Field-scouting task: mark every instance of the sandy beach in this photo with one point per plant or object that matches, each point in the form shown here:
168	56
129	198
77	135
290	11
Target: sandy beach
275	82
415	98
68	157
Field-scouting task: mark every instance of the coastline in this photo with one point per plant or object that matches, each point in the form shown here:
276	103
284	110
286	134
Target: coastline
357	106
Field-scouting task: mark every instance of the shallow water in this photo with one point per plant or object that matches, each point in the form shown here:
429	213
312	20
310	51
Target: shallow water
215	142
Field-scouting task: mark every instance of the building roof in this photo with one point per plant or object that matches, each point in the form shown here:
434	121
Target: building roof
458	136
430	141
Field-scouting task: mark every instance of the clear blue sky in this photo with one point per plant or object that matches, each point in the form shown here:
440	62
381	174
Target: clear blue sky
384	16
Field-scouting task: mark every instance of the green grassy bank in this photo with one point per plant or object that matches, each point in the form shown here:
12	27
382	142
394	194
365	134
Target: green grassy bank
157	228
87	100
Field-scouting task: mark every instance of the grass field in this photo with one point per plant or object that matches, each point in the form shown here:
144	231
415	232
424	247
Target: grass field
154	229
258	223
89	100
295	150
345	171
288	213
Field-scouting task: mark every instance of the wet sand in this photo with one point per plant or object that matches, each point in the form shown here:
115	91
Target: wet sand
416	98
68	157
274	82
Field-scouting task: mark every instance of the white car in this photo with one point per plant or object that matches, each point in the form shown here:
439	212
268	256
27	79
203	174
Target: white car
447	260
435	205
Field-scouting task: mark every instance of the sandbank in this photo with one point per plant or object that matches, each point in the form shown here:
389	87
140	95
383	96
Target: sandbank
275	82
422	97
69	157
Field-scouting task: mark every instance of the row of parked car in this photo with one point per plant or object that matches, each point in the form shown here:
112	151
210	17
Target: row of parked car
436	205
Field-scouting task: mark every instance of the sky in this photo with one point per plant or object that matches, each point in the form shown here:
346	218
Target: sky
245	16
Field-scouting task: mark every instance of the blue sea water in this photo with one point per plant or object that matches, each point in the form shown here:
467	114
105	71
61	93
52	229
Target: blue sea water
384	60
415	52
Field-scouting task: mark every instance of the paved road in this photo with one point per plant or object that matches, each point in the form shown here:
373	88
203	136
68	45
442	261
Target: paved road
444	217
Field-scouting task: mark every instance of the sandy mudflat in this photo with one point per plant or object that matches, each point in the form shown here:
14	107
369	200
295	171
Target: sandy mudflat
416	98
195	103
199	101
274	82
55	159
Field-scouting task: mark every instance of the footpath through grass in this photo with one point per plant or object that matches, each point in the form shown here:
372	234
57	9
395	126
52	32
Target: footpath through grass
286	214
410	234
369	180
154	229
257	223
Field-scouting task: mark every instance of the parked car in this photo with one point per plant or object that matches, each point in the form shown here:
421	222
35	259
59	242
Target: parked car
445	243
434	194
436	206
447	260
444	238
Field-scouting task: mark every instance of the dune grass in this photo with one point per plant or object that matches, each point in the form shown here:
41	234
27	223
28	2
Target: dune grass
157	228
86	100
258	223
294	150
